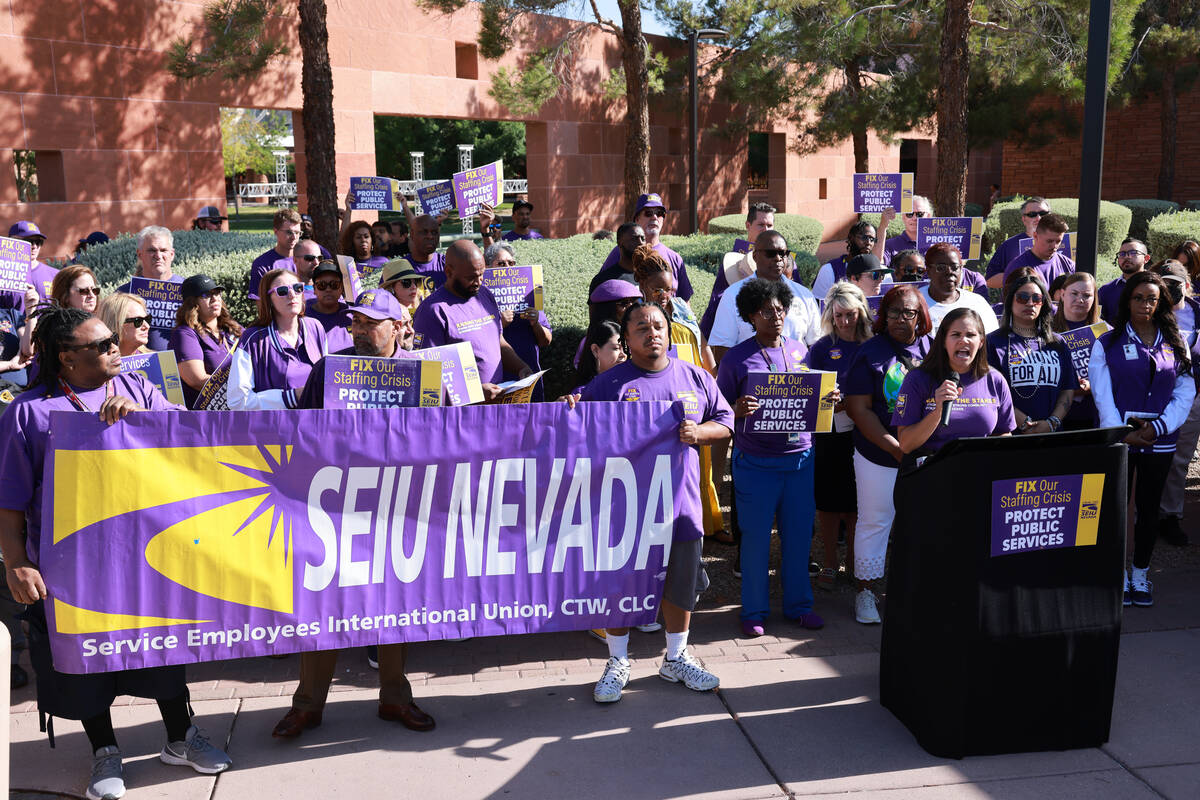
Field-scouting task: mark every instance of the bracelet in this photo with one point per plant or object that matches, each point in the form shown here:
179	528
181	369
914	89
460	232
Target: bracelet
1055	422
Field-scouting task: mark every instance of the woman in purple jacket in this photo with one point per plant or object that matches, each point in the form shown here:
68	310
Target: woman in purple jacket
1141	375
276	353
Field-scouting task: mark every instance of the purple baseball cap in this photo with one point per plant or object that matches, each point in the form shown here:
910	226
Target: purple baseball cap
24	229
614	289
378	304
648	201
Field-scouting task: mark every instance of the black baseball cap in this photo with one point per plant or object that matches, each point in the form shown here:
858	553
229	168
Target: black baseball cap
864	262
327	267
522	204
198	286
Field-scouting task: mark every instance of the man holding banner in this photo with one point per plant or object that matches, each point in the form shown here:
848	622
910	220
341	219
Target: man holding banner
156	254
378	322
79	370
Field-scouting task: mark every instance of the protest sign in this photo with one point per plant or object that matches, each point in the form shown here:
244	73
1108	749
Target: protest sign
521	390
460	373
1079	342
478	185
965	233
437	198
790	402
15	258
1045	513
160	369
516	289
742	246
349	528
877	191
1025	243
162	299
375	194
351	282
361	382
213	395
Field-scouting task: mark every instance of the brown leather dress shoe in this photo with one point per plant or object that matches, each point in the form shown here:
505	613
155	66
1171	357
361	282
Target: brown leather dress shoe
295	722
407	715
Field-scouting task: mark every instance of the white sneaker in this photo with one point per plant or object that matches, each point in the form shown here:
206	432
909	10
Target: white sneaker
866	610
689	671
108	775
649	627
616	675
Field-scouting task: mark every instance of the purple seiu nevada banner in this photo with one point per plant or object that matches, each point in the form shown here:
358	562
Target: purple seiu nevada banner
177	537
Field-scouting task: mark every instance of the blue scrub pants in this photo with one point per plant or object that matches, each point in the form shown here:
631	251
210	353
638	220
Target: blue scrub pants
770	488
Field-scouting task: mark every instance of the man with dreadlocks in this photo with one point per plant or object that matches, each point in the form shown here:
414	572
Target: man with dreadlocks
80	369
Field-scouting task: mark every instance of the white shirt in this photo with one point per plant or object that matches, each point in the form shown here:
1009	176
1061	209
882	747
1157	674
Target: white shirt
965	300
803	319
825	281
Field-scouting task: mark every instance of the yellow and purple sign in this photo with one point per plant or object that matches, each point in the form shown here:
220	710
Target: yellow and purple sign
876	191
965	233
790	402
1045	513
15	257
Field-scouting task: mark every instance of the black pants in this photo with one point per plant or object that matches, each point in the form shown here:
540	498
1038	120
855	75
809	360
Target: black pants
1150	471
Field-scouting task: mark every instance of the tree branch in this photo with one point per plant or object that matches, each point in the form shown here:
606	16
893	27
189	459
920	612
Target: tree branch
602	22
993	26
868	10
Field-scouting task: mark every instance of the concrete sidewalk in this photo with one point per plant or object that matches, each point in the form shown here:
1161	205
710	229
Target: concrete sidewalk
797	715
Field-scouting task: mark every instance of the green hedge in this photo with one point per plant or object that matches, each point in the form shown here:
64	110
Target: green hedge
1005	221
1143	211
802	234
1166	231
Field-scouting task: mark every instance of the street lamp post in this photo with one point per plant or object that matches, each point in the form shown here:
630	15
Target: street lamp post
1095	107
694	123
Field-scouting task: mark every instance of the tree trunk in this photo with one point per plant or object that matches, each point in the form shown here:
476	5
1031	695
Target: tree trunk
950	192
637	113
316	84
854	86
1169	117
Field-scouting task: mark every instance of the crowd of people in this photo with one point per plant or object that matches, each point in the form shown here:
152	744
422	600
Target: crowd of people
904	331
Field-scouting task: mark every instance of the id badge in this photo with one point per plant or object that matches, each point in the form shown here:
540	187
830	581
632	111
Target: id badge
1130	352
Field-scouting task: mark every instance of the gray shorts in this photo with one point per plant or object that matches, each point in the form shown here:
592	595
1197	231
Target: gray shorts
686	577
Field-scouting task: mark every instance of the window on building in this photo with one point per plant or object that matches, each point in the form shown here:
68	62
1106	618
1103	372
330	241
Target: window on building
39	175
466	61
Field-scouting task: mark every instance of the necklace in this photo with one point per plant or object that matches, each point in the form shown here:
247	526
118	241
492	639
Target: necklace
1024	355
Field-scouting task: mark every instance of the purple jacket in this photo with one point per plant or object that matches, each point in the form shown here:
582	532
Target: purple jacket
267	372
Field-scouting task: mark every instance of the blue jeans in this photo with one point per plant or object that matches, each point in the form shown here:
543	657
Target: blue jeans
770	488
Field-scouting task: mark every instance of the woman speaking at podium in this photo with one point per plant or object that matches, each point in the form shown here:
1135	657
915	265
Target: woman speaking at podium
953	393
1140	373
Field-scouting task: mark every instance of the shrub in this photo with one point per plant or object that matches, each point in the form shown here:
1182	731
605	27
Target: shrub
803	234
1143	211
1166	231
972	210
1005	221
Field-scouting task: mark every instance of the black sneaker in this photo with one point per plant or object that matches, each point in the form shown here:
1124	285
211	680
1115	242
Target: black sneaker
1141	590
1169	530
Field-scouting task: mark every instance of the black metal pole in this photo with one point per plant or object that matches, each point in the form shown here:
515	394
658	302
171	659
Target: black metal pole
1095	107
693	135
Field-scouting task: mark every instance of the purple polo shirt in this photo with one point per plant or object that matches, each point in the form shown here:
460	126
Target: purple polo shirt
895	245
445	318
158	339
1109	297
1036	372
832	354
983	409
878	373
261	266
682	283
695	395
1009	249
513	236
732	375
1051	268
25	436
434	268
279	365
191	346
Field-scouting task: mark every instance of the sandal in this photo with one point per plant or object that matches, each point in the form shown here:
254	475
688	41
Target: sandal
827	578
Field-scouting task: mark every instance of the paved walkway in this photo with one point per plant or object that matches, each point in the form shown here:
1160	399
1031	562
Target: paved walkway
797	715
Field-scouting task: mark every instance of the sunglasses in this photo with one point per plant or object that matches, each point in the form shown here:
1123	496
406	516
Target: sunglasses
911	214
214	293
1029	298
284	291
658	212
410	283
875	274
942	269
101	346
94	291
773	253
1036	214
321	286
310	258
137	322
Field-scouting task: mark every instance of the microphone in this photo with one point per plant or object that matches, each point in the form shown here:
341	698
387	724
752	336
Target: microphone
948	405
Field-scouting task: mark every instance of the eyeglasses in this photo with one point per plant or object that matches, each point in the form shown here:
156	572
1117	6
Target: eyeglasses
866	237
310	257
320	286
772	253
284	291
1144	301
84	291
1036	214
942	269
1029	298
1130	253
911	214
772	312
660	292
137	322
906	314
101	346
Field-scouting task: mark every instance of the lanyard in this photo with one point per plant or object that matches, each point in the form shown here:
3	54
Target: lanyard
74	398
771	364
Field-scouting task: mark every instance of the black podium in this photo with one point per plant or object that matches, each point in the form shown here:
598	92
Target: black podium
988	650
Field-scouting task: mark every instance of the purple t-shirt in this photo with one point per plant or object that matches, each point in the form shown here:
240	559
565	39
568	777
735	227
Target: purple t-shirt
1109	297
336	325
191	346
25	436
369	266
738	362
1035	372
513	236
974	282
445	318
895	245
682	283
1009	249
695	395
261	266
434	268
983	409
1051	268
157	339
878	372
